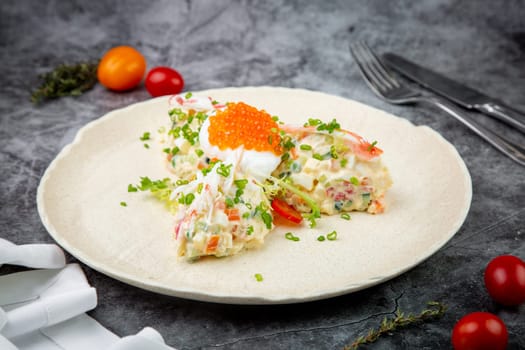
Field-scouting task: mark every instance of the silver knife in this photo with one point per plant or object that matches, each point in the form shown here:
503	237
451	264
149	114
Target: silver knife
456	92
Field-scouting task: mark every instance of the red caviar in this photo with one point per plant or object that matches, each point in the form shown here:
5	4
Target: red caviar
243	125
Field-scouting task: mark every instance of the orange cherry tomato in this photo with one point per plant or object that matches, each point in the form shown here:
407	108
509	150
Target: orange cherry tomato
121	68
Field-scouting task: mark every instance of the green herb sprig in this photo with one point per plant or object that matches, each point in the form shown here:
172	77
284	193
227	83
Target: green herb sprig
435	310
66	80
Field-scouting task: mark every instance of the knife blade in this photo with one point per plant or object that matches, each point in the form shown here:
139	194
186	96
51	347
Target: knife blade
460	94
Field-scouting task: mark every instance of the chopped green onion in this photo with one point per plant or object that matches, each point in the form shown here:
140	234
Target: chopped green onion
123	204
229	202
176	111
372	145
330	127
267	218
345	216
146	146
188	95
246	215
305	147
354	180
201	116
189	198
205	171
241	183
199	152
320	238
333	152
181	182
287	142
344	161
189	134
145	136
332	236
224	170
200	186
147	184
258	277
313	122
317	156
249	230
290	236
132	188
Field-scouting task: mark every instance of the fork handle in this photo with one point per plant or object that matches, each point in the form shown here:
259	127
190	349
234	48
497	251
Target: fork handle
513	150
504	114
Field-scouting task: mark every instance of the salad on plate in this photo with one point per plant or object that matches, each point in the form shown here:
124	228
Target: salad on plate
234	168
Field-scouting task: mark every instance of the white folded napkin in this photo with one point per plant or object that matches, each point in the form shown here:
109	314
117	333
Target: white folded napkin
47	256
45	309
148	338
6	344
78	333
58	296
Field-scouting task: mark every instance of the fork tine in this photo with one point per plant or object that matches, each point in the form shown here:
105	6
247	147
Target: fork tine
378	67
370	77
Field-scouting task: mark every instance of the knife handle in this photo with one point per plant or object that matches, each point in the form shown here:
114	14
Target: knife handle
504	114
513	150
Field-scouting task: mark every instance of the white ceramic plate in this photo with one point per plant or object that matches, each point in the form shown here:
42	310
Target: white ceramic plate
80	193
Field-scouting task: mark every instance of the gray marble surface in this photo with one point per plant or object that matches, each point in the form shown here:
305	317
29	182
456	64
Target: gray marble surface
301	44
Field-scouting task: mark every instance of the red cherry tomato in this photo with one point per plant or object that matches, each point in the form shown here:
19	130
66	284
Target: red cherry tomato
505	280
286	211
162	81
480	331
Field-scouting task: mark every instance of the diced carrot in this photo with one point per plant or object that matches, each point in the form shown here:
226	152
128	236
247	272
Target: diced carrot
213	242
378	207
232	213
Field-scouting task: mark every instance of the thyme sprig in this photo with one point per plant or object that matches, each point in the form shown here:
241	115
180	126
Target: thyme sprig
66	80
435	310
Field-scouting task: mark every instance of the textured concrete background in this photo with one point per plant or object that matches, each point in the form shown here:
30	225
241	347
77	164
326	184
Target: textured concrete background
300	44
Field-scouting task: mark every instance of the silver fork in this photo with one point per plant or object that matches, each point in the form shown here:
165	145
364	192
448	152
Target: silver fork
386	86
